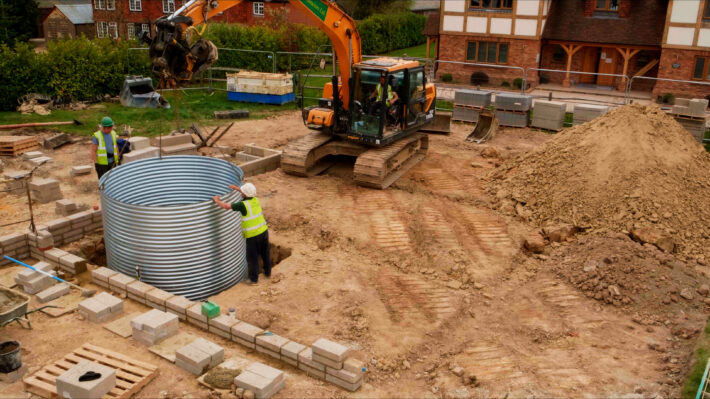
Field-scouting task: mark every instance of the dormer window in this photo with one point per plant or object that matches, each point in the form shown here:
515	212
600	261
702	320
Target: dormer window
607	5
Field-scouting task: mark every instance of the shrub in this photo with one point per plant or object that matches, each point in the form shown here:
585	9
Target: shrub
22	71
479	78
668	98
381	33
447	77
518	83
505	83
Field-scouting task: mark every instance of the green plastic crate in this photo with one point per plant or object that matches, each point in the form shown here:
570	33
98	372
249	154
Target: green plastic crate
210	309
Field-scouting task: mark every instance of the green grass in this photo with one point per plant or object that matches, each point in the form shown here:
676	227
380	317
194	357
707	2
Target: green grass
187	107
416	51
702	352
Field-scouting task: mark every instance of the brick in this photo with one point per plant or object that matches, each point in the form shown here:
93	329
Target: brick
94	311
353	365
330	350
197	323
327	362
69	386
195	312
96	215
261	349
244	342
352	387
254	382
39	160
178	305
54	292
102	274
189	367
222	323
118	283
78	227
306	357
10	239
74	262
137	289
246	331
291	350
26	275
39	283
158	297
31	155
271	342
81	170
288	361
114	304
347	376
79	217
93	227
215	352
139	143
65	207
145	153
38	184
55	254
197	360
268	372
311	371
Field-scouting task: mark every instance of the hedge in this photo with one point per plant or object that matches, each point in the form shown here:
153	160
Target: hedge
382	33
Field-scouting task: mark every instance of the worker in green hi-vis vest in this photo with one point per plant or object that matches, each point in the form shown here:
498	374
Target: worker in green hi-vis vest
254	229
104	149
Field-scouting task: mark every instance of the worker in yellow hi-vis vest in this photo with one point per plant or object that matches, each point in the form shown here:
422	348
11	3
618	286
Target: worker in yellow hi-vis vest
254	229
104	149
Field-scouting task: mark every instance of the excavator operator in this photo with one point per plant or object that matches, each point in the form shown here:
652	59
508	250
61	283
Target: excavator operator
390	101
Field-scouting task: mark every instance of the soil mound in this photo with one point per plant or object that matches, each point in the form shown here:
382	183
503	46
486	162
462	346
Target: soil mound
635	168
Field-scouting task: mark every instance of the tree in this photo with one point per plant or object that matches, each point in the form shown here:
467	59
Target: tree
360	9
18	20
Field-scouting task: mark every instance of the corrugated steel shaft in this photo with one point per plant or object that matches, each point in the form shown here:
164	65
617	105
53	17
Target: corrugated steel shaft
159	216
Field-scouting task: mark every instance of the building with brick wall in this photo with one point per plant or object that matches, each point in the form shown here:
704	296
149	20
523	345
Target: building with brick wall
68	22
644	38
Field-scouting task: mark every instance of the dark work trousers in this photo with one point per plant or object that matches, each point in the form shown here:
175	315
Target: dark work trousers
101	169
258	247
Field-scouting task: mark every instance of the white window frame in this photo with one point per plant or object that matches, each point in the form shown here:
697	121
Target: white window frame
111	5
101	29
112	25
167	9
145	28
258	8
100	4
131	30
135	5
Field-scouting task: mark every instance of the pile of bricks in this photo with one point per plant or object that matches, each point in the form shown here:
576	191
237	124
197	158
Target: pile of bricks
154	326
81	170
64	260
16	184
178	144
45	190
262	380
100	307
33	282
15	246
140	149
199	356
73	227
65	207
35	158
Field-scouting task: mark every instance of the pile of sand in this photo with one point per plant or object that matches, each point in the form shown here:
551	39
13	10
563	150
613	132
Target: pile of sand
633	168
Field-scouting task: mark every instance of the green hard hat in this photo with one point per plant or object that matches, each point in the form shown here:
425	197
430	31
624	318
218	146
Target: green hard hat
106	122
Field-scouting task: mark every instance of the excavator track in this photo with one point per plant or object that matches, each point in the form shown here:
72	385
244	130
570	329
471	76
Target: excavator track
375	167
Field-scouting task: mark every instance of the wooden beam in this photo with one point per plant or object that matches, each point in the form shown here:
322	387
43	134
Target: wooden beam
647	67
571	50
428	43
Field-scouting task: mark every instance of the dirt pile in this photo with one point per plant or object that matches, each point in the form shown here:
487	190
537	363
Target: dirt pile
635	168
640	279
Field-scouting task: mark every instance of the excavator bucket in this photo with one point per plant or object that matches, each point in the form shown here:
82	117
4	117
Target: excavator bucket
486	127
441	123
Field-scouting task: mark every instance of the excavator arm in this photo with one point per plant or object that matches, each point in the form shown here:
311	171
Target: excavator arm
175	61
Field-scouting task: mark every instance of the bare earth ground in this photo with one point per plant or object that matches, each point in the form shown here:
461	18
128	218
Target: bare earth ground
418	279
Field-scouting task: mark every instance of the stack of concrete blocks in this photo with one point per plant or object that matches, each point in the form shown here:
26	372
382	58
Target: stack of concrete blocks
154	326
195	316
695	126
16	183
586	112
691	114
45	190
339	370
69	386
178	144
468	104
33	282
513	109
74	227
549	115
261	379
254	160
15	246
64	260
81	170
101	307
65	207
53	292
199	356
140	149
38	242
35	158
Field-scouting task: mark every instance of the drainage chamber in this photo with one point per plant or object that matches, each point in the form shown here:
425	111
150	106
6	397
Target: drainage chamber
160	222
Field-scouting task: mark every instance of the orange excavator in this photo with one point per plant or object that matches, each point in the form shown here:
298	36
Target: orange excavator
373	110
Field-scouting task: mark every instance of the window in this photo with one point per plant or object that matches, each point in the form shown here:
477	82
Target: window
702	68
491	52
101	29
168	6
100	4
706	14
607	5
131	30
258	8
110	4
145	28
112	30
491	4
135	5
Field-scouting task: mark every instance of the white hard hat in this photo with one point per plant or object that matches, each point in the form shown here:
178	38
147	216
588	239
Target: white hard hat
249	190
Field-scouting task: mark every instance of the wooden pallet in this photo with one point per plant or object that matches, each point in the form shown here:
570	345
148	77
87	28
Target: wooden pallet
131	375
16	145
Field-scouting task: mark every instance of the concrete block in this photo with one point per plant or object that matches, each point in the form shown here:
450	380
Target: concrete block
55	254
697	106
39	283
139	143
327	362
94	310
39	161
222	325
195	312
353	365
79	217
54	226
137	290
244	342
190	368
65	207
154	326
261	349
246	331
118	283
215	352
175	139
288	361
81	170
344	375
306	357
196	360
181	149
75	263
271	342
96	215
178	305
268	372
54	292
156	298
352	387
145	153
32	154
311	371
10	239
256	383
102	274
69	386
291	350
25	275
330	350
115	304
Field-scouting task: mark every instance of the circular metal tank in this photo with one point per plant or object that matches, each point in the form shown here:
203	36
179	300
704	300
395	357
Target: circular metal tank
160	221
